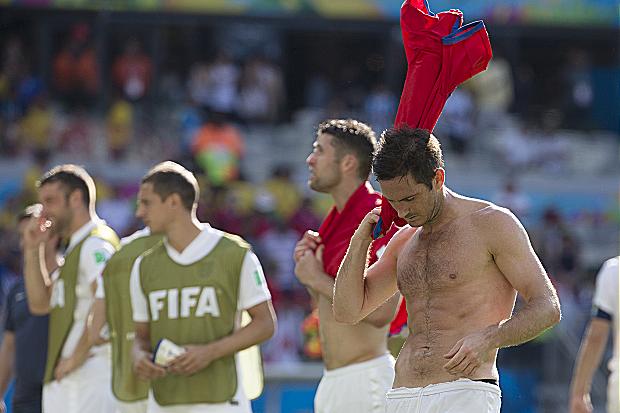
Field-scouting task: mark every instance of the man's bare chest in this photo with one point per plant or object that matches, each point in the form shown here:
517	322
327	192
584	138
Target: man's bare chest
445	260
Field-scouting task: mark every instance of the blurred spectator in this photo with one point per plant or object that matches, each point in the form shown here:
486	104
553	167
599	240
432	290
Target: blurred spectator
120	127
190	119
557	247
457	120
579	89
285	192
77	135
13	66
261	91
305	218
513	198
225	213
278	245
116	210
493	91
132	71
550	147
286	346
217	148
198	84
75	70
380	107
222	82
317	92
37	125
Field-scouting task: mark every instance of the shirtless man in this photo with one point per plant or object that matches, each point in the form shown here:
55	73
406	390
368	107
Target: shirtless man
459	273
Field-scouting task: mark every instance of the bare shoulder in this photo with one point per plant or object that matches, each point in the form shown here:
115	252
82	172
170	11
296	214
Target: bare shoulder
400	239
498	225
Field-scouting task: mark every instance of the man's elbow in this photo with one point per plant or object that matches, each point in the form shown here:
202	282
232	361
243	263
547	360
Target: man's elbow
271	326
343	316
555	312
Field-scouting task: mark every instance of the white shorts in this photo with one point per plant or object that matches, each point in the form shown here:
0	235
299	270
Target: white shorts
242	405
359	387
130	407
87	389
460	396
613	404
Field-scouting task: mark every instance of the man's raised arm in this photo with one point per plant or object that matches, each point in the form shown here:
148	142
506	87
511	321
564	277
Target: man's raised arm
358	290
37	239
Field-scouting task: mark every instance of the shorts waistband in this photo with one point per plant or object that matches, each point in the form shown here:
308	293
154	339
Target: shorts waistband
460	384
380	361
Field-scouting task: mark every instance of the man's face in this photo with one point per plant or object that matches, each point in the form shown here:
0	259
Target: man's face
324	165
152	210
54	198
414	202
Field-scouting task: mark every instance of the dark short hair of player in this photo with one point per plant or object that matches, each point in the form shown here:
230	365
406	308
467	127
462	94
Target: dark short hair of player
72	178
354	137
170	178
407	151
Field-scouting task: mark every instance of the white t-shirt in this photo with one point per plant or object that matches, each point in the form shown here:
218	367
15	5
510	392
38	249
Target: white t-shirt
94	254
252	285
606	299
144	232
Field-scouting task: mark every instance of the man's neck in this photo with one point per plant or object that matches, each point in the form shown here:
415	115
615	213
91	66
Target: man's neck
79	220
343	191
182	233
442	211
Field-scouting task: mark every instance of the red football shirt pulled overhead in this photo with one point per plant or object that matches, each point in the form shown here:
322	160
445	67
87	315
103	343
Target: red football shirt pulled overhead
441	54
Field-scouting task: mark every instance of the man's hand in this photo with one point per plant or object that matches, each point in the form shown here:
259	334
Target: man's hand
309	265
192	361
581	404
309	242
66	365
365	228
468	354
37	232
145	369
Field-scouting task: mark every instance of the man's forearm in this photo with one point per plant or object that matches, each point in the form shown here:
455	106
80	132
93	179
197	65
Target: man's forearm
82	349
7	352
536	316
257	331
349	288
323	284
383	315
589	357
38	292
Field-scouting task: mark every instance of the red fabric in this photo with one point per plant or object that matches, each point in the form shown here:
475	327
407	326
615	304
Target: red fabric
338	228
441	54
400	320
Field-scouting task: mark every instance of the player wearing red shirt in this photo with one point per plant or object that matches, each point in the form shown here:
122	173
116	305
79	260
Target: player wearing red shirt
358	368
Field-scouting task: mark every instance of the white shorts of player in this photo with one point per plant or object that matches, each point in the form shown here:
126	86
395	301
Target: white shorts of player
130	407
87	389
241	405
359	387
460	396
